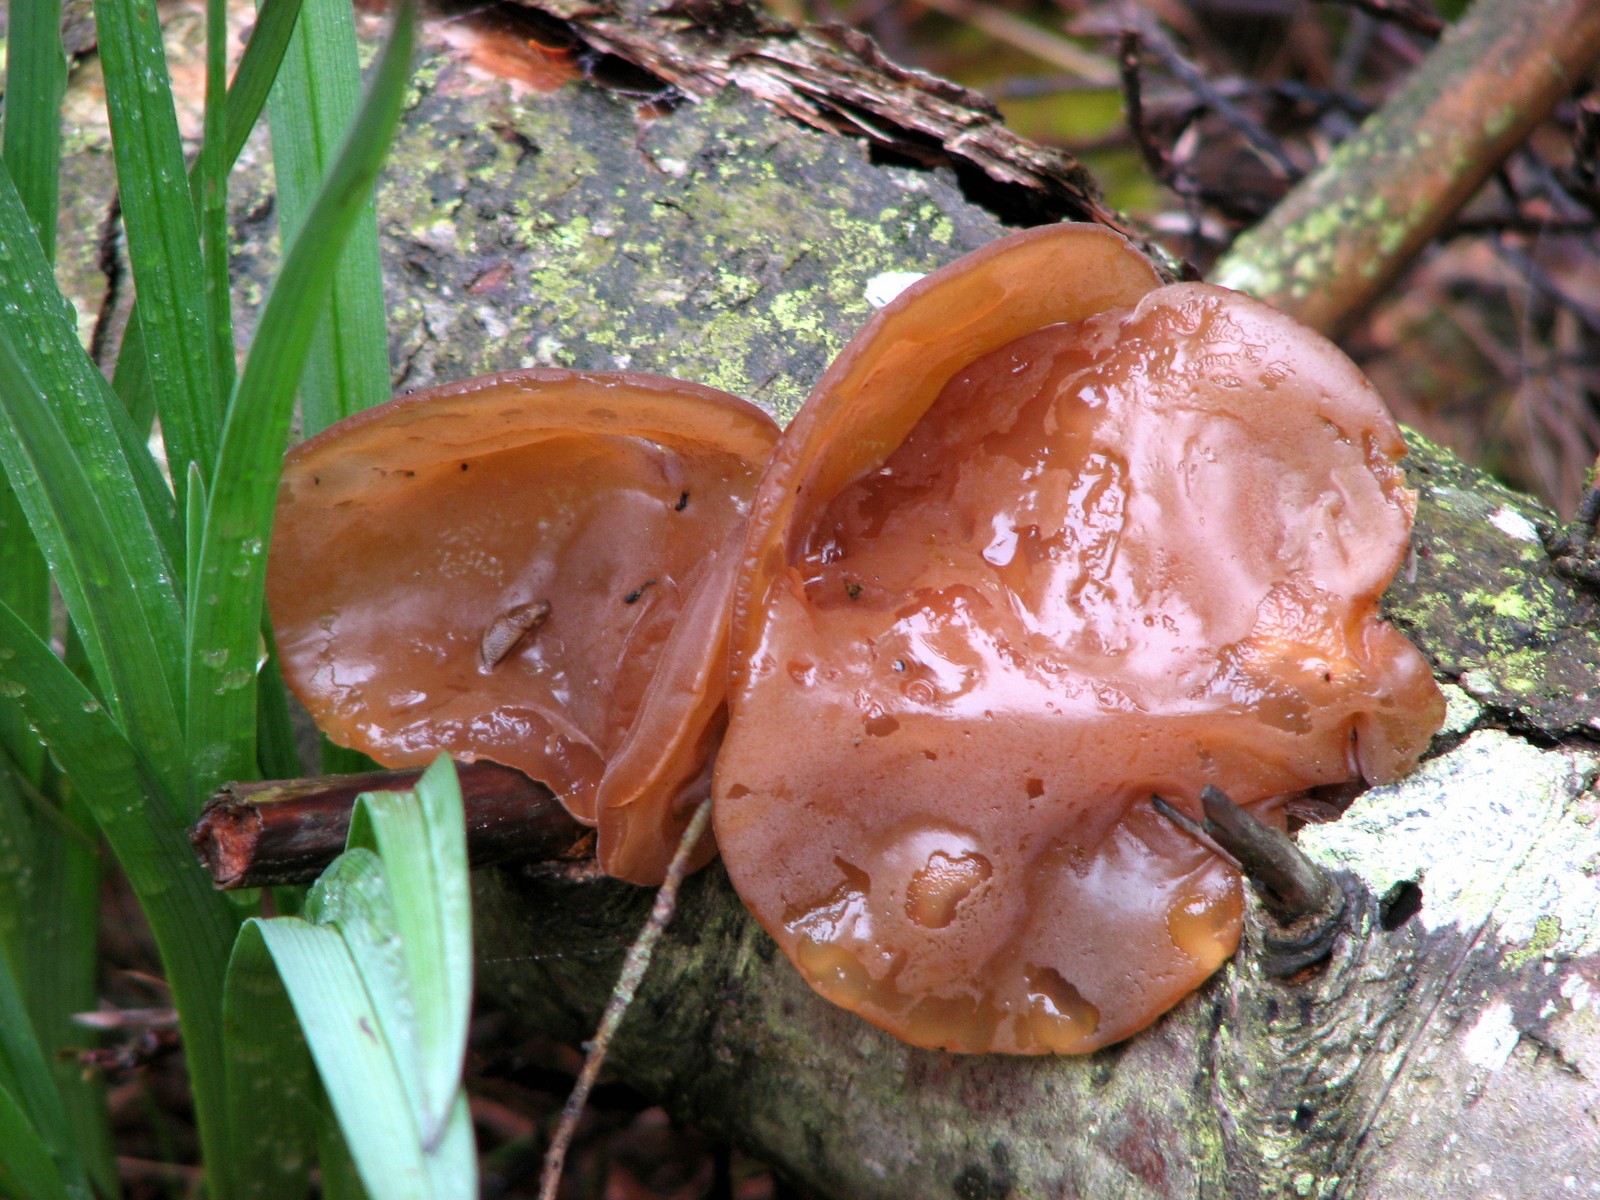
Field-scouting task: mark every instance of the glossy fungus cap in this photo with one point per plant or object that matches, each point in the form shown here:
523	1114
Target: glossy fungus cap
1046	540
533	568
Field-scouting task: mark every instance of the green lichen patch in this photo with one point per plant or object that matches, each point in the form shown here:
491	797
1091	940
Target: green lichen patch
718	243
1481	599
1546	933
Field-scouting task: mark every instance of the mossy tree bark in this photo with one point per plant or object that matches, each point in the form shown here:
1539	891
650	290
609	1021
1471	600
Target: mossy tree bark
1449	1049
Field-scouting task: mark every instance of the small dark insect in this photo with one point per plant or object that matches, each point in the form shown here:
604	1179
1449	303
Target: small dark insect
683	503
633	596
508	631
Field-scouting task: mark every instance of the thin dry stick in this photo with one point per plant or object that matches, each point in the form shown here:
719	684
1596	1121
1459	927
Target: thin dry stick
634	965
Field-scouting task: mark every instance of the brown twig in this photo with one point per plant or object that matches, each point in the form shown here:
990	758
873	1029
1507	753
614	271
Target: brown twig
634	967
286	831
1342	235
1209	95
1290	883
1305	904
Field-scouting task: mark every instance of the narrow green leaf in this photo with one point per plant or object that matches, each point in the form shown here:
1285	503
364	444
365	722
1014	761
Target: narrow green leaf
340	1179
352	1053
25	587
354	897
46	326
208	185
122	601
311	110
163	237
25	1077
263	57
274	1108
193	925
36	79
27	1170
128	485
251	84
277	748
421	838
226	607
194	527
49	926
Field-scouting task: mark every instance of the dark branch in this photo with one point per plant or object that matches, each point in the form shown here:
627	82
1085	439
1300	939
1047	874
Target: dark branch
286	831
1305	904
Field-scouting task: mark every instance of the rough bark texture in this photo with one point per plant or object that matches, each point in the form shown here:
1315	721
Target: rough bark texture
1450	1050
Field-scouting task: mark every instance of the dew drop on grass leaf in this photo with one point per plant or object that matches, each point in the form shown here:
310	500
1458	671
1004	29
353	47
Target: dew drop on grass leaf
12	690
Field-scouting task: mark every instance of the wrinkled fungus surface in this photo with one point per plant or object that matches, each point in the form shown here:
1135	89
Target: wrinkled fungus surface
533	568
1049	539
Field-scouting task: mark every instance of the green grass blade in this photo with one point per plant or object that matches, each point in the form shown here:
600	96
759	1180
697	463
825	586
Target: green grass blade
274	1108
340	1179
251	83
354	896
208	186
25	587
193	925
42	320
36	80
226	607
163	237
33	308
262	60
422	841
115	582
353	1055
26	1078
49	910
312	107
27	1169
277	748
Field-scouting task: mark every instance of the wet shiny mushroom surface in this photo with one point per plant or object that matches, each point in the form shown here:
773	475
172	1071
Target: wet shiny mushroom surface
533	568
1002	585
1047	540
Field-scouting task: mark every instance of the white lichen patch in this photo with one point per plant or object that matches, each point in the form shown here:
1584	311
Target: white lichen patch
1461	711
1489	1041
885	287
1486	832
1514	524
1576	991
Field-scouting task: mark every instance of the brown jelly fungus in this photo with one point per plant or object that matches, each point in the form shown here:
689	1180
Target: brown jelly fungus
506	569
1046	539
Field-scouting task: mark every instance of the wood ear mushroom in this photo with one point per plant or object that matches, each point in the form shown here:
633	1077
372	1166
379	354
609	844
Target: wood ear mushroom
1047	539
460	570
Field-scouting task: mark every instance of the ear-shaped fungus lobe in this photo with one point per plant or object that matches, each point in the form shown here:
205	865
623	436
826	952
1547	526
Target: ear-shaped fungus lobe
418	543
1120	554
